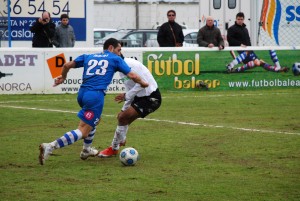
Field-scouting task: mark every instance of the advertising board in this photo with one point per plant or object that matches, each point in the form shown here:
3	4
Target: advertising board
180	69
25	12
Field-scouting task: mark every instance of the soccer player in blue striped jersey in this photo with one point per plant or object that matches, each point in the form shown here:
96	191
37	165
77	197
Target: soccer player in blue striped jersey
98	72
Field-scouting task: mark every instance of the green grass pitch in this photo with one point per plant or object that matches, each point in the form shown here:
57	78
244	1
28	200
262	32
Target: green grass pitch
199	146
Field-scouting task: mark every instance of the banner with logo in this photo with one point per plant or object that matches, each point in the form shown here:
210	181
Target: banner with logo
183	70
33	71
72	83
21	72
24	13
279	23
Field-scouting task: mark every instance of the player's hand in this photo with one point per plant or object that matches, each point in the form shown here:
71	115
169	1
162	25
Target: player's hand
120	98
58	80
210	45
43	22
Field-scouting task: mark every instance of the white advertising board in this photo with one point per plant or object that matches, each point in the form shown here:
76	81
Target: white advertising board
32	71
21	72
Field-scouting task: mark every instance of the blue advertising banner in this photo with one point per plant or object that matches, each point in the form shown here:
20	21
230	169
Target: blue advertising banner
25	12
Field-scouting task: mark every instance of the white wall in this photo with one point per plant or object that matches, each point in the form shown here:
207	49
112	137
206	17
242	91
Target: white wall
123	15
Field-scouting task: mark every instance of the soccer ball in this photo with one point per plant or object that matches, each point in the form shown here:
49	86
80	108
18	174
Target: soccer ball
129	156
296	68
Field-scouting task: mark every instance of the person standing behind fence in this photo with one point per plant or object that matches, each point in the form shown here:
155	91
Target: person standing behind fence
170	33
44	30
210	35
64	33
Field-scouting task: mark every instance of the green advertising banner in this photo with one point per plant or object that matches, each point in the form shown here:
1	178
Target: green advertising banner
182	70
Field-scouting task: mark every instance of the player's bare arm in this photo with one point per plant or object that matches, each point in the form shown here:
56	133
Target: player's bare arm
136	78
65	69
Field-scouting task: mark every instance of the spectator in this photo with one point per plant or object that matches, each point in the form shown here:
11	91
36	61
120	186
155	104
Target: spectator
44	30
64	33
170	33
210	36
238	35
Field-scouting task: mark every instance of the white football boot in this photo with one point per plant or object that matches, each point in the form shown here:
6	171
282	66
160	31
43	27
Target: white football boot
87	152
45	151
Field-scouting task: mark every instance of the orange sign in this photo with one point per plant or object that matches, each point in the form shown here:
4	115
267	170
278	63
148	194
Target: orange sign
55	64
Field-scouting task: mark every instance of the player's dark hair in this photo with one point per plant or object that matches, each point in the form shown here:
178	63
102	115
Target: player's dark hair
171	11
64	16
111	41
240	14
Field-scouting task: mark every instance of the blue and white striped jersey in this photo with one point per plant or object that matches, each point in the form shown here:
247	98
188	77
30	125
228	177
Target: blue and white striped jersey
99	69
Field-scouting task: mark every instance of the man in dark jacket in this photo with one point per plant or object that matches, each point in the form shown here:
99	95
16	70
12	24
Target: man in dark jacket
238	35
210	36
43	29
170	33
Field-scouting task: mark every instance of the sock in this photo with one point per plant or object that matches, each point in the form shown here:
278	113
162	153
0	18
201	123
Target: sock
274	58
67	139
120	136
87	142
268	67
247	66
239	59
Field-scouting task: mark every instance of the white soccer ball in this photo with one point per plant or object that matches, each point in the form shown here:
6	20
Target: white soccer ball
296	68
129	156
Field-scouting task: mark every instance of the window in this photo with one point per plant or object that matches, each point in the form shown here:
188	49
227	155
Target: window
134	40
151	36
232	4
191	38
97	34
106	33
151	40
217	4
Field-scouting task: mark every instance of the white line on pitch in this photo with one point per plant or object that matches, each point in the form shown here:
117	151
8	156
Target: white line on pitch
164	97
159	120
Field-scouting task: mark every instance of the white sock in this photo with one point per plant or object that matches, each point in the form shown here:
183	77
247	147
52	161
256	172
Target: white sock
275	59
120	136
87	142
239	59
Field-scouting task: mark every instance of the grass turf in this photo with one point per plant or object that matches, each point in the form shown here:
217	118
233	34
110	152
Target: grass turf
197	146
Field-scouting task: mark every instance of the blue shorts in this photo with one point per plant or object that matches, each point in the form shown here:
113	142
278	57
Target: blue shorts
91	103
251	56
